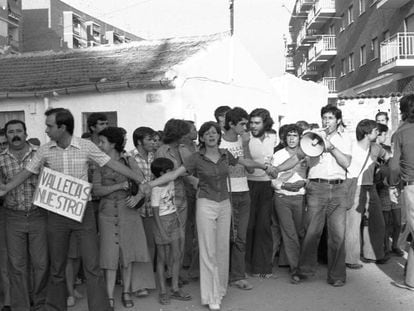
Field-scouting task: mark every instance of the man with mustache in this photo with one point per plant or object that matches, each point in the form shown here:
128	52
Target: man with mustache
259	245
25	223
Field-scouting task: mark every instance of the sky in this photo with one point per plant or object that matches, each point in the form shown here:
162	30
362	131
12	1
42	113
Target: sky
259	24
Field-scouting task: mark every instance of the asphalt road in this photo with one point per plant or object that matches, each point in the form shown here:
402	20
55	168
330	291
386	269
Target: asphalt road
366	289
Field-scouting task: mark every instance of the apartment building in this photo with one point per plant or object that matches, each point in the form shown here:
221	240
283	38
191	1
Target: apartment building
10	26
355	47
55	25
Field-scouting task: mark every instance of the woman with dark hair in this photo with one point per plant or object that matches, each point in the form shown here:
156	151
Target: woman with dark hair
122	236
213	215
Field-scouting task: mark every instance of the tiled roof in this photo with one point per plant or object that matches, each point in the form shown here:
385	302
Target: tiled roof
133	63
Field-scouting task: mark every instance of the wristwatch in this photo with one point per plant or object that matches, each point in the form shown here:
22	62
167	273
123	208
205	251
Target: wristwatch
332	147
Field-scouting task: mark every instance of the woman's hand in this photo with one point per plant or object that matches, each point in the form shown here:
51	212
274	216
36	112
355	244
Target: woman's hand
125	185
132	201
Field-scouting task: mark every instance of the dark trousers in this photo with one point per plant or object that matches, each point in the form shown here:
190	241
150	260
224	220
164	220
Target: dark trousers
240	202
26	236
259	244
59	230
289	209
328	203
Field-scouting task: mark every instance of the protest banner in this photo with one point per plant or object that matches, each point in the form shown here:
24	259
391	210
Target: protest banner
62	194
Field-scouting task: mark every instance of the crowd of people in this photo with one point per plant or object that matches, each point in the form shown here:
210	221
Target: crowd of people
218	205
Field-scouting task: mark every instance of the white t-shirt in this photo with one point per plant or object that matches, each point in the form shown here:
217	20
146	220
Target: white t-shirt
261	152
237	173
163	197
295	174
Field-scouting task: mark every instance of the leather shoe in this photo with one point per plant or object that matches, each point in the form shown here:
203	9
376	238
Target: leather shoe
6	308
354	266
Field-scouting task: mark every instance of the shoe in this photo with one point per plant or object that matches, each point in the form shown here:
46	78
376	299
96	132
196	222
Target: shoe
141	293
70	302
164	299
111	303
126	300
6	308
382	261
180	295
296	278
397	251
214	307
262	275
77	295
354	266
365	260
242	284
337	283
403	285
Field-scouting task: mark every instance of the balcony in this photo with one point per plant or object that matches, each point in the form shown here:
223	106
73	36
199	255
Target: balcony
321	13
397	53
306	72
391	4
322	50
330	82
305	5
306	37
289	64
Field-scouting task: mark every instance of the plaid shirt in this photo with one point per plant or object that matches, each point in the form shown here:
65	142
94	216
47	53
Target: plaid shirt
21	197
145	167
73	161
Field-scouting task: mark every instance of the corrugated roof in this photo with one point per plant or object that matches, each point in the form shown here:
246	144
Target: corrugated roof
133	63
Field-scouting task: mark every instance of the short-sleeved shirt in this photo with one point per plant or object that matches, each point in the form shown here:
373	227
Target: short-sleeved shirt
72	161
212	176
238	177
163	198
365	173
21	197
261	152
325	166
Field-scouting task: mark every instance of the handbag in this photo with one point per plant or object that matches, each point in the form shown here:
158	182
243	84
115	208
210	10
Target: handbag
133	187
352	183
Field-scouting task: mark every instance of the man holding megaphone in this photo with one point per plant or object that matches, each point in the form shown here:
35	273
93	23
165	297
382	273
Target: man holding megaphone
329	152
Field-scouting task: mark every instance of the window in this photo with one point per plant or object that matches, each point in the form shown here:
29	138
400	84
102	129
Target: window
332	70
351	62
6	116
343	23
331	30
386	35
363	55
375	48
362	6
343	67
350	14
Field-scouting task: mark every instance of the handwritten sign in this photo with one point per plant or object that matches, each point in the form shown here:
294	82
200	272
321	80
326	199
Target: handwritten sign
62	194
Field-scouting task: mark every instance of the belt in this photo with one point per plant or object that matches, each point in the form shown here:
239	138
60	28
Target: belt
408	183
328	181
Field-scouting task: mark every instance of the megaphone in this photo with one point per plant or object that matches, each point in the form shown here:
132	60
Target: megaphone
312	144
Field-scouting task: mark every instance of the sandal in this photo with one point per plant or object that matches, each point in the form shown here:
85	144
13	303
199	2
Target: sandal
127	303
180	295
164	299
242	284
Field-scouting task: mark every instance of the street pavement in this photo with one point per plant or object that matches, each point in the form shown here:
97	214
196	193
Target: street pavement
366	289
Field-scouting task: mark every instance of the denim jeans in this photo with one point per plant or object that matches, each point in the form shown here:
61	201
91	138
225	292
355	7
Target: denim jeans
59	230
353	227
325	201
240	219
289	211
27	242
259	243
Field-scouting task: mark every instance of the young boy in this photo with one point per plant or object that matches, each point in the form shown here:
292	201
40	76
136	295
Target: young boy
166	232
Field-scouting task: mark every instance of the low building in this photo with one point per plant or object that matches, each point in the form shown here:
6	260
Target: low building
142	83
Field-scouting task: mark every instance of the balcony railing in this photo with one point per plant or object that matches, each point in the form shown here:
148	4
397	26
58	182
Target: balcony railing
306	71
330	82
290	66
304	5
319	15
399	46
306	35
391	4
326	43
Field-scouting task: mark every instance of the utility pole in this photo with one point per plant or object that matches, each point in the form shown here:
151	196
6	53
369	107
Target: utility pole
231	17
